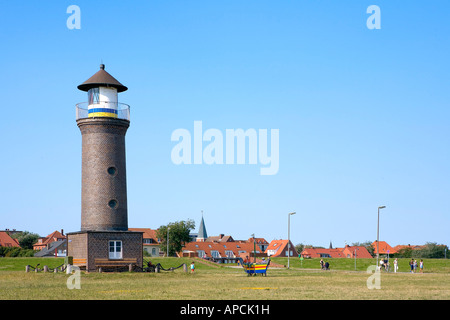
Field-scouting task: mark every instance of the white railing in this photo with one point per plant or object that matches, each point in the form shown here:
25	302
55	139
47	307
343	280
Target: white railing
122	109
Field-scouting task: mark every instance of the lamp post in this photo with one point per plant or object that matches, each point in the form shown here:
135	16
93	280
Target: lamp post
168	228
378	234
254	248
289	235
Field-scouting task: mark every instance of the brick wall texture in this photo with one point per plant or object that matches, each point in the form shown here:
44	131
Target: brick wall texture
91	245
104	187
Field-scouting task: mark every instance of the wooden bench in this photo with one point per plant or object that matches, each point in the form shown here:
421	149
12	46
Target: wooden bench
79	262
130	262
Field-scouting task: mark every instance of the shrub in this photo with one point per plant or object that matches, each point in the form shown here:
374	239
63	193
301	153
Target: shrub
16	252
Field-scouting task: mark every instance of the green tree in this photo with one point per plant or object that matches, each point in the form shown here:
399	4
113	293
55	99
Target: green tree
406	252
299	247
431	250
26	239
178	235
367	245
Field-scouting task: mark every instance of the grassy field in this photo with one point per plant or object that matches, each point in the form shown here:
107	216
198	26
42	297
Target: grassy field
303	281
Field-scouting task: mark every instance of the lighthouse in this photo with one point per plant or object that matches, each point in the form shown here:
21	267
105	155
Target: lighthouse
104	239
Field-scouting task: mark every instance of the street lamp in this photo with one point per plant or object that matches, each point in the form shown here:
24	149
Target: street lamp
168	228
289	235
378	234
254	248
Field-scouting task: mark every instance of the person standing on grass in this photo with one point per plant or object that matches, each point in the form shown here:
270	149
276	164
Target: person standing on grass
395	265
411	265
192	267
421	266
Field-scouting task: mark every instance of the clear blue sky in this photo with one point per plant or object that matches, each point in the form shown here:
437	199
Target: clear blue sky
363	115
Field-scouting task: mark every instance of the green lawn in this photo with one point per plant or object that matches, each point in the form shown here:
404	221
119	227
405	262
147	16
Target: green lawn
430	265
220	283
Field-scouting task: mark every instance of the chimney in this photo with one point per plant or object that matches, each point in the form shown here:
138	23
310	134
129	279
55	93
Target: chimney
62	231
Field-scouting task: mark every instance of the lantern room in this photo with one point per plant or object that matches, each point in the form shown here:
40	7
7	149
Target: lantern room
102	90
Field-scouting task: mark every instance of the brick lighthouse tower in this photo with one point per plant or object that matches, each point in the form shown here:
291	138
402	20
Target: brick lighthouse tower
104	239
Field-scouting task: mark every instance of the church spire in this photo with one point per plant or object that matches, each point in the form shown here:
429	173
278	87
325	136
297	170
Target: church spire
202	235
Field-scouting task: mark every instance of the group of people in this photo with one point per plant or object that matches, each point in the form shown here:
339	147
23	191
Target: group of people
324	265
413	265
384	264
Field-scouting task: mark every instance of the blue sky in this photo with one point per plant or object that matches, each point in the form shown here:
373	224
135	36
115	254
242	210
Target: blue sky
363	115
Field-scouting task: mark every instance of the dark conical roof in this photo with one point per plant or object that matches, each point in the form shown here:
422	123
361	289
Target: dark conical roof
202	230
102	78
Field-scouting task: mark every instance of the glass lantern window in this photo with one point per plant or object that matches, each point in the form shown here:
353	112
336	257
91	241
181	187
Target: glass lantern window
94	96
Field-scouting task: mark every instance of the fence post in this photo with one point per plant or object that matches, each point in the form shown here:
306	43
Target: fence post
27	268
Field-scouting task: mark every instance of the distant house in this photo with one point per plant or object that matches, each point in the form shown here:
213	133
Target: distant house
412	247
43	242
224	252
358	251
384	247
53	245
220	238
260	242
7	241
53	249
322	253
346	252
279	248
150	241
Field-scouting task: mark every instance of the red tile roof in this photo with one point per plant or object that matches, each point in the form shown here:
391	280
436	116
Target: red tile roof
400	247
7	241
346	252
384	248
237	248
147	234
361	252
278	248
322	252
44	241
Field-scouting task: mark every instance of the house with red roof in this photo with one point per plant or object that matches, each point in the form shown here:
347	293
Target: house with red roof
322	253
280	248
356	252
220	238
402	246
53	245
346	252
44	242
224	252
7	241
150	241
384	247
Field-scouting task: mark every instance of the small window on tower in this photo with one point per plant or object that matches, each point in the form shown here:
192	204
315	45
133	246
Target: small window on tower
93	96
112	204
112	171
